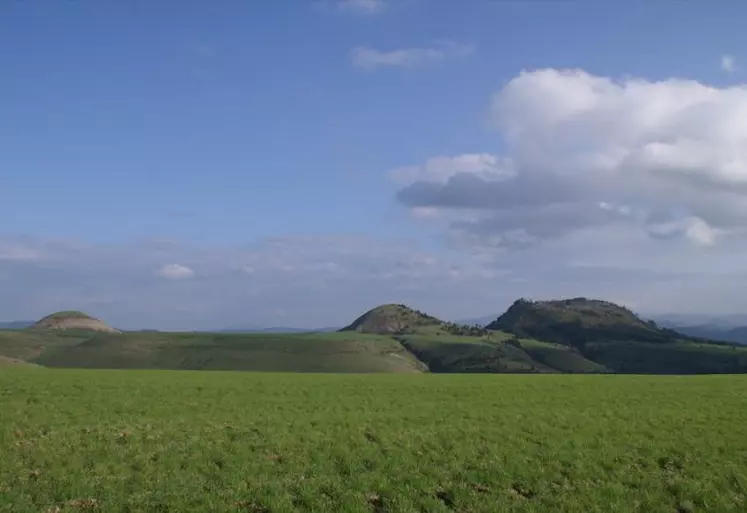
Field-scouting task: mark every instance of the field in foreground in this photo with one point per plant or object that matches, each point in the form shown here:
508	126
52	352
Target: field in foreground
162	441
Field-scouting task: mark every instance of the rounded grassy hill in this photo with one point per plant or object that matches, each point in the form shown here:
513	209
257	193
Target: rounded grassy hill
72	320
386	319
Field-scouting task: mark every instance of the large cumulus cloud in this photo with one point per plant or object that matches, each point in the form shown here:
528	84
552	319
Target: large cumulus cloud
582	151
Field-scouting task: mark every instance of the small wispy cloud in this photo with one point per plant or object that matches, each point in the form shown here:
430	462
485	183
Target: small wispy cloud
367	7
175	272
369	59
728	63
441	169
424	212
19	253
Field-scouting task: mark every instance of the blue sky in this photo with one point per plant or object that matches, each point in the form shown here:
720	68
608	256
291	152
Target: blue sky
158	149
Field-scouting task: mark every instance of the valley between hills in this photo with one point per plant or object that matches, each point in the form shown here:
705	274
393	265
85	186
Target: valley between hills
564	336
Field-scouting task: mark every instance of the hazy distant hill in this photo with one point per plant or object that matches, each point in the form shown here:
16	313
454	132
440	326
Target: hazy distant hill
478	321
717	321
731	328
15	325
275	329
710	331
257	329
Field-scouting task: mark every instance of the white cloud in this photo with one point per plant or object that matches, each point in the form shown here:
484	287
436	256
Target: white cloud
583	151
175	272
441	169
728	63
370	59
424	212
693	229
620	209
367	7
700	233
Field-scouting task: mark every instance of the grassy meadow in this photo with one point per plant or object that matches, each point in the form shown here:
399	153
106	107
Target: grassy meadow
181	441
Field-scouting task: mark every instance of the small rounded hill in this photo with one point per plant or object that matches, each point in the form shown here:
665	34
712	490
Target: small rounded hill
388	319
72	320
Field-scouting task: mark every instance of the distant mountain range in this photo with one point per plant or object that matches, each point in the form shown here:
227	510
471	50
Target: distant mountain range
717	321
276	329
730	328
15	325
715	332
478	321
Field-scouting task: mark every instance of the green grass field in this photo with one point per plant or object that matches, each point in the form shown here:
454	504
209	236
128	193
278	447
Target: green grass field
167	441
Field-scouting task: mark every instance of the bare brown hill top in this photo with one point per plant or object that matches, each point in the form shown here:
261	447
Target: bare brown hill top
387	319
72	320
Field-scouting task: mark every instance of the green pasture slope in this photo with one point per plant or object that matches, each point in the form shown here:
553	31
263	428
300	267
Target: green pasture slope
428	349
495	353
163	441
282	352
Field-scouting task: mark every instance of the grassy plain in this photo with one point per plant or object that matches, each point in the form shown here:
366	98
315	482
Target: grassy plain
166	441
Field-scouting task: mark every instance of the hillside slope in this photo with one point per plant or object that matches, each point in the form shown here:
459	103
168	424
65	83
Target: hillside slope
27	345
471	355
678	357
6	362
309	352
561	358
